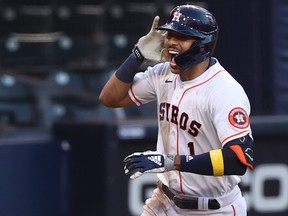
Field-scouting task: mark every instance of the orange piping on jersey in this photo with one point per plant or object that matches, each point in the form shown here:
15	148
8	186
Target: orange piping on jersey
240	154
180	176
234	210
177	152
199	85
234	135
135	96
177	141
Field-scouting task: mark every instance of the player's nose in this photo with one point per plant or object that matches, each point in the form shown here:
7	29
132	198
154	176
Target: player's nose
171	41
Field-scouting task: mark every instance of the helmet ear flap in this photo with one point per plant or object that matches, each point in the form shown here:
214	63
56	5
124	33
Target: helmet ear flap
211	46
196	54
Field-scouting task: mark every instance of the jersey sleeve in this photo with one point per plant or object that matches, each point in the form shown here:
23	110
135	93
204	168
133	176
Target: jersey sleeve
144	87
230	113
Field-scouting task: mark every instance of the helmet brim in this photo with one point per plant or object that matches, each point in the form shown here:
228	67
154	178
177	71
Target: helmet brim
181	29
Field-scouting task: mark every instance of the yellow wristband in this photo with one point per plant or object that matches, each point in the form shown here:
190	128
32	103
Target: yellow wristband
217	161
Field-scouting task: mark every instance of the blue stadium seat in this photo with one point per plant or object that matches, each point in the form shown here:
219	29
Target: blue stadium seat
16	102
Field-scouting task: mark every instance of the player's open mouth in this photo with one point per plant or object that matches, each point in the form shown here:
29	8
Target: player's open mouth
173	54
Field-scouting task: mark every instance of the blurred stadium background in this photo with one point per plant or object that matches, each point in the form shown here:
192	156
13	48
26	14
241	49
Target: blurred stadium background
61	151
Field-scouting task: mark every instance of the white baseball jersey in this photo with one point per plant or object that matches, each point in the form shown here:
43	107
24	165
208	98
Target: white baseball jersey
194	117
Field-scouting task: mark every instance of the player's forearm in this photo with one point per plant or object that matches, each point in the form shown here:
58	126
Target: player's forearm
214	163
115	93
233	159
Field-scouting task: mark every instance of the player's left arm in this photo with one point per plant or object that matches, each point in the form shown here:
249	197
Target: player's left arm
232	159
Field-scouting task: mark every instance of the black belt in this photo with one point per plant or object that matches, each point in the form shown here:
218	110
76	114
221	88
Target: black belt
187	203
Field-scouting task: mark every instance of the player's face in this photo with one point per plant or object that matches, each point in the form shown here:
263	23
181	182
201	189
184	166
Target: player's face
176	44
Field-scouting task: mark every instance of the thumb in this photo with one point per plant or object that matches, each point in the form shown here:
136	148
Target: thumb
136	175
155	23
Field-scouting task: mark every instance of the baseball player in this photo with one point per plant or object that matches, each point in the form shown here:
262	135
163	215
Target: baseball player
204	140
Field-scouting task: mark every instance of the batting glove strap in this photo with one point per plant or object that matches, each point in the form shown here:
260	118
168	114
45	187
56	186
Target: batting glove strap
137	53
169	162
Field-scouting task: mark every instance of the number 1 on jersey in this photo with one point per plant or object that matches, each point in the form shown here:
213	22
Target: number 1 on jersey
191	148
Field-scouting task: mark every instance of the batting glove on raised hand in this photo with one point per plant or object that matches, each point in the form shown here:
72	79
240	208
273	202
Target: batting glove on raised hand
150	46
139	163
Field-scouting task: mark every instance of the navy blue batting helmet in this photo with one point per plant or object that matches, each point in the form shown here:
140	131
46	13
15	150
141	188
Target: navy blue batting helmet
197	22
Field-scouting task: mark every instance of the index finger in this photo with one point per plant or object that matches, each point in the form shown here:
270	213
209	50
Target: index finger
155	23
